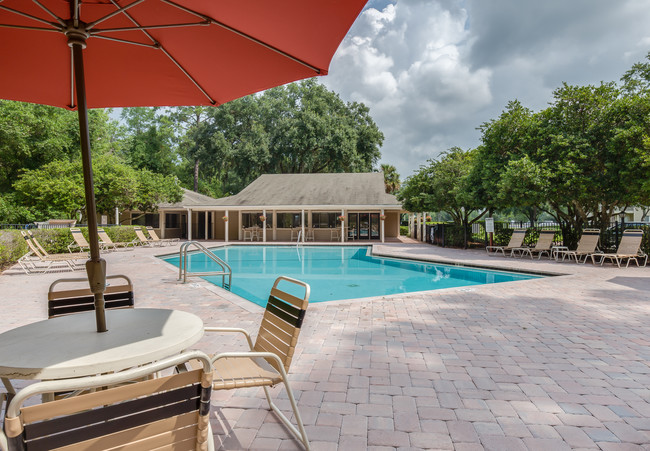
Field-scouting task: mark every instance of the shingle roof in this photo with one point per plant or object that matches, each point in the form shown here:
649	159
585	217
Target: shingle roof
190	199
302	190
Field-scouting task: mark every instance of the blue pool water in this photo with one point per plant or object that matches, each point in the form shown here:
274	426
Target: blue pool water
336	272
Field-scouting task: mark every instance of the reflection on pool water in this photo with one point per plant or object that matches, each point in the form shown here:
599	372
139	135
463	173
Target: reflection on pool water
336	272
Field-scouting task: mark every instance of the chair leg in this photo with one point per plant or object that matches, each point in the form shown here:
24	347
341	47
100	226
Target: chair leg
300	433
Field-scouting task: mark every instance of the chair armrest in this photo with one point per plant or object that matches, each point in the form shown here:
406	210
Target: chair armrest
253	354
3	438
231	329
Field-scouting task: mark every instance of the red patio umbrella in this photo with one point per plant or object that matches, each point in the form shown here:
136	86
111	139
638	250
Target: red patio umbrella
80	54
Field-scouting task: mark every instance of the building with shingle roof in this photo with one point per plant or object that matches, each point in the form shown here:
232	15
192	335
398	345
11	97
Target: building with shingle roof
279	207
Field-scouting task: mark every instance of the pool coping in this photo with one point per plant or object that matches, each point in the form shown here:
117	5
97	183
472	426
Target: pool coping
252	307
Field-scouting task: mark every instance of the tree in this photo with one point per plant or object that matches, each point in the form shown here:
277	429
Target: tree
30	136
149	140
443	186
391	178
55	190
301	127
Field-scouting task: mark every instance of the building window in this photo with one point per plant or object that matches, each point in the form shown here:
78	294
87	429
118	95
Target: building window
147	219
253	220
172	220
323	220
288	220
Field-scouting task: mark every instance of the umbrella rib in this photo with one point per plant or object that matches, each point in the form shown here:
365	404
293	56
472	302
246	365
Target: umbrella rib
212	101
72	105
29	16
44	8
150	27
114	13
24	27
200	88
246	36
124	41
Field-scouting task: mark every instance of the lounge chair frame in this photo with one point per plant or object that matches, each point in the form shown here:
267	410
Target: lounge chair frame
588	245
542	246
146	414
144	241
109	244
628	249
79	242
154	236
516	241
268	360
37	260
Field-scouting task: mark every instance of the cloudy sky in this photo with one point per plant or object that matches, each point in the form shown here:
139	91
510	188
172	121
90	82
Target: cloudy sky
431	71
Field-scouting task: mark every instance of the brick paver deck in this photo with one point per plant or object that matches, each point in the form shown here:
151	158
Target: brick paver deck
548	364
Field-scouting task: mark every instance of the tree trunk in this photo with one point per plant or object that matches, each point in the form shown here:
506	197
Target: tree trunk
196	175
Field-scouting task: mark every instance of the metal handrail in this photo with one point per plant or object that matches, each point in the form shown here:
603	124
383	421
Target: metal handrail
182	264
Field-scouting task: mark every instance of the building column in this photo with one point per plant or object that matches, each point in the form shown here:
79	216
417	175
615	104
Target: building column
275	225
205	228
240	227
302	224
423	227
189	224
225	233
161	223
264	226
117	216
343	226
381	224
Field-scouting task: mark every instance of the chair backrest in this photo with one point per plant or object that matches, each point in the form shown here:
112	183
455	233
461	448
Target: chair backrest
169	412
30	243
282	321
76	300
41	249
140	235
545	240
152	233
630	242
588	241
517	238
104	236
79	237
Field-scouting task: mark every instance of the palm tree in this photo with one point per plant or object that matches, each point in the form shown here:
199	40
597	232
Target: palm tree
391	178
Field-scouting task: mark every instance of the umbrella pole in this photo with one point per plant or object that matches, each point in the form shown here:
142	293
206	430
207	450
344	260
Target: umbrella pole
96	266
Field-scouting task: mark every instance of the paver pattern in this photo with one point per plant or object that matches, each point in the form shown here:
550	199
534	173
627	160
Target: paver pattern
556	363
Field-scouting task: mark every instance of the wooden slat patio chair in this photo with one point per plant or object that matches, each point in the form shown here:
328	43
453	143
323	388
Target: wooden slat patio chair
76	300
170	412
269	359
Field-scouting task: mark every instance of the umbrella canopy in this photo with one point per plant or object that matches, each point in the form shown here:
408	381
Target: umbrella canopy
77	54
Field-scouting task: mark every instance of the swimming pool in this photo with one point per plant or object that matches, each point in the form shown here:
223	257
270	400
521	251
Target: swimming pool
336	272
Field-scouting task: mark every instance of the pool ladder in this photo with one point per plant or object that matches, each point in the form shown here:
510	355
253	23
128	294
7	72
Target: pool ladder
182	264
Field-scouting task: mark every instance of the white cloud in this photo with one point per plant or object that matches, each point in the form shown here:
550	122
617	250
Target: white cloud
433	71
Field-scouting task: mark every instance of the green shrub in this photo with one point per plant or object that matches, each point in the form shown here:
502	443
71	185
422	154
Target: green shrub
403	230
120	234
12	247
54	241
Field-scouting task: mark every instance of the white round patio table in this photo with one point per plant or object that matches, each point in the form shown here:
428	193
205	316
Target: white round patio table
70	346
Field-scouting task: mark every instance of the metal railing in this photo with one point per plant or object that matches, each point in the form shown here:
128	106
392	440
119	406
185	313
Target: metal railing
182	264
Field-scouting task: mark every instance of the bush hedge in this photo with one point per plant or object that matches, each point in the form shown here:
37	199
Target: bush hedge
54	241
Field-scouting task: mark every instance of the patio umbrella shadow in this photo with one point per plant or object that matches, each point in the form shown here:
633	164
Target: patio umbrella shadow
637	283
